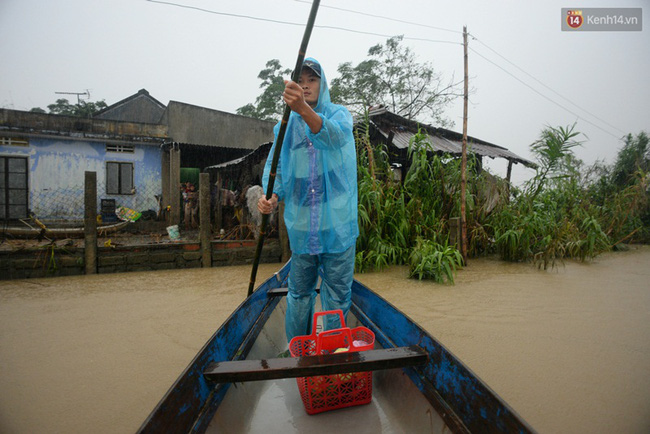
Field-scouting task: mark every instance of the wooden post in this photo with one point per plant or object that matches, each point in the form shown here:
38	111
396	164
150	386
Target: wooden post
175	184
166	182
463	166
90	222
205	226
218	209
454	231
244	230
508	175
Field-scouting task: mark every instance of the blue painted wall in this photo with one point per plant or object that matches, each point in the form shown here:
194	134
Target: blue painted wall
56	175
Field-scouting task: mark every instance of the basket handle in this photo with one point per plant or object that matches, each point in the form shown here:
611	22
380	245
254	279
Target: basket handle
338	312
346	337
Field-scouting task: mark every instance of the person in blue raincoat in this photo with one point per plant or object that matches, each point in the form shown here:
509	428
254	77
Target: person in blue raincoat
316	178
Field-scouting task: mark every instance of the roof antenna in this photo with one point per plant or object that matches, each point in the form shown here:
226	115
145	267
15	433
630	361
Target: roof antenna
87	93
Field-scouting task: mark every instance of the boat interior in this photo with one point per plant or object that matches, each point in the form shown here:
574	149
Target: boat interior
271	406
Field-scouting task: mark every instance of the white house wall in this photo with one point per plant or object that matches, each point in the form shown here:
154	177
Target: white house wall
56	175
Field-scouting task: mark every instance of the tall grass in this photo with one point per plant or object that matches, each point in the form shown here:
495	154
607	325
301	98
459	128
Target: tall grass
549	219
430	260
383	224
396	220
556	215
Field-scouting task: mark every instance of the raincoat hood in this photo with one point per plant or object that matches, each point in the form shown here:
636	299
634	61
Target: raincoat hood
324	93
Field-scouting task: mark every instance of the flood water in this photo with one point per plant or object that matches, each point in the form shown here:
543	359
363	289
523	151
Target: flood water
568	349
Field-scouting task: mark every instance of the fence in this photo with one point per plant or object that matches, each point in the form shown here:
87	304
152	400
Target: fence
67	203
59	251
63	207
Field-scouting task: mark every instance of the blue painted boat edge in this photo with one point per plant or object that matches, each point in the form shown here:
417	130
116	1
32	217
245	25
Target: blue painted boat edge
190	403
446	382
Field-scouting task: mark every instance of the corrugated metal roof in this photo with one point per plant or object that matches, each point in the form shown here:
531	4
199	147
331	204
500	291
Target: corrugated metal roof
260	153
402	131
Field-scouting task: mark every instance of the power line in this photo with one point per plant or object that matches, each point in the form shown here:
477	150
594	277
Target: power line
544	96
196	8
547	87
388	36
415	39
289	23
385	18
498	54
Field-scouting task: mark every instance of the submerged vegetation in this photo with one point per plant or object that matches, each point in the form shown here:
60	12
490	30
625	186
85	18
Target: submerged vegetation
564	211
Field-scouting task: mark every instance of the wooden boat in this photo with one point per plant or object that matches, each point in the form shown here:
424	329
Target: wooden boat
236	383
71	232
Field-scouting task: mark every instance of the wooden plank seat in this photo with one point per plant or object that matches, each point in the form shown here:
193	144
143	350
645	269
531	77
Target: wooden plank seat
341	363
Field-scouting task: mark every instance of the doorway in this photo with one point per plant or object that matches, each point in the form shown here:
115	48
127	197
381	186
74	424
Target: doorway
13	188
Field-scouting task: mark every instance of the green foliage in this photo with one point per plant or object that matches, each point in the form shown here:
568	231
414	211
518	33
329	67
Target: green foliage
547	228
632	159
563	212
430	260
593	240
391	76
619	193
83	109
269	105
383	223
554	154
624	213
555	216
393	217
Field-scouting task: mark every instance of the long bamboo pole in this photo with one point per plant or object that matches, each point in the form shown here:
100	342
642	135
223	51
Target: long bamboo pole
295	76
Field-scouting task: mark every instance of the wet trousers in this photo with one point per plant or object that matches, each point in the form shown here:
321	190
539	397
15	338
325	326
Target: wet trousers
337	270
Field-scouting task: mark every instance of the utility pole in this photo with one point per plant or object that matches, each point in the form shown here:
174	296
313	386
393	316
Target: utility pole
463	166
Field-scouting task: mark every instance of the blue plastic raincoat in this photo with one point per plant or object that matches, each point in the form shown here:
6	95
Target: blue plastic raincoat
317	179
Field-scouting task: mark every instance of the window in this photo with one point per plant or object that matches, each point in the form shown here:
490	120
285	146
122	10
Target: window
13	141
119	178
120	148
13	187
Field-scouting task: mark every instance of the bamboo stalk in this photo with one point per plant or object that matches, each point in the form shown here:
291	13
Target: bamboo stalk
295	76
626	237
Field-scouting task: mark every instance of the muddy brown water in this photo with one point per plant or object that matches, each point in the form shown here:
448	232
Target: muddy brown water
568	349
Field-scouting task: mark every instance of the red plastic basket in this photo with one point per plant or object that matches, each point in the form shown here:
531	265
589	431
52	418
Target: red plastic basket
329	392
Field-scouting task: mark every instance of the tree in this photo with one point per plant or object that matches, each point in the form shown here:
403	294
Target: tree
632	158
621	190
392	77
269	105
83	109
555	155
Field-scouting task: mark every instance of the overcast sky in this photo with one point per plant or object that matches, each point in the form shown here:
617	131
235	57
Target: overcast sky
113	48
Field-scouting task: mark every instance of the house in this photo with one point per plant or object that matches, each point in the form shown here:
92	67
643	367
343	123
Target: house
140	107
137	146
242	171
384	127
43	159
396	132
142	149
198	137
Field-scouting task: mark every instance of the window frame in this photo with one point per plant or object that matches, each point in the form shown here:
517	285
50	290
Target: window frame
120	181
8	187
